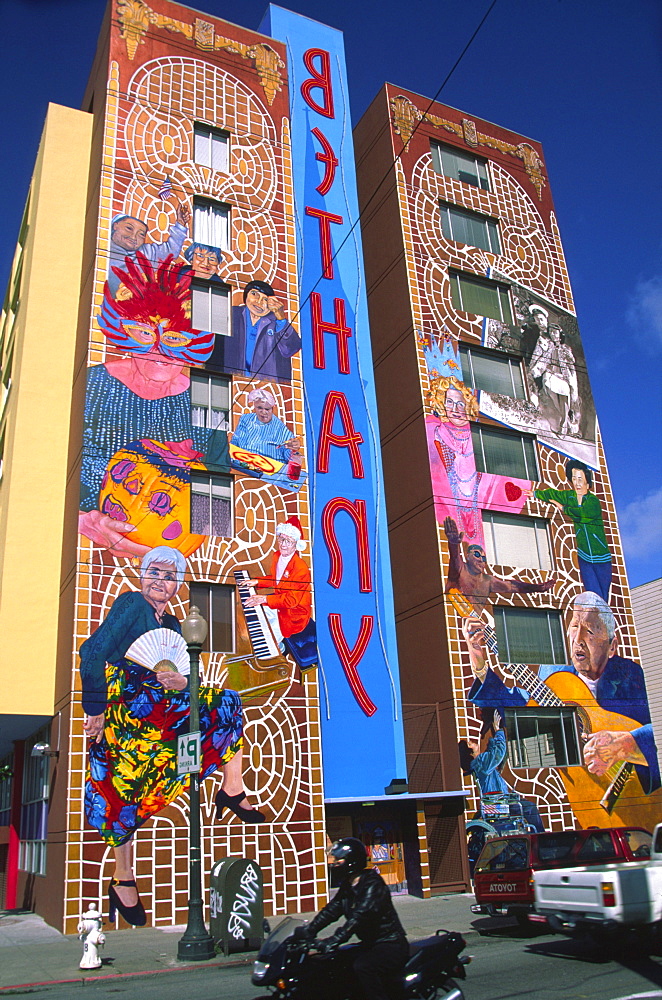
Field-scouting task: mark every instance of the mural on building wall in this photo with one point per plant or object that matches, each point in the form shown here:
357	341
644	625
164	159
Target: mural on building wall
128	238
581	506
144	395
559	408
460	491
288	606
483	760
262	446
615	777
616	780
134	679
262	340
172	413
469	574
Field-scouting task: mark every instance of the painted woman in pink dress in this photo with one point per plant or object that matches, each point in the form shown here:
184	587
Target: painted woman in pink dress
459	490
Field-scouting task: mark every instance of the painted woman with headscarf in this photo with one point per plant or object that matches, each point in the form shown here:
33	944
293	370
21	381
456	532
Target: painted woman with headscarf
261	431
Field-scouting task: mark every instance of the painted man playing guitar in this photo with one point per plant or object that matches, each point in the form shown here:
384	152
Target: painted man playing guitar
614	683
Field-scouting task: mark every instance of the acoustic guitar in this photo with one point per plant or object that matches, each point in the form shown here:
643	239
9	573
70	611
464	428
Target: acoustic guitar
613	799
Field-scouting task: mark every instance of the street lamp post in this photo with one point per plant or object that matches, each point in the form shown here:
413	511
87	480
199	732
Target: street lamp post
195	945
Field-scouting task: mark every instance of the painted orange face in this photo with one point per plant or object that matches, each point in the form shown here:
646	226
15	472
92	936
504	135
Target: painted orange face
144	490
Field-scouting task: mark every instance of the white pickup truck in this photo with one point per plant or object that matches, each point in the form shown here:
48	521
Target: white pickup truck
611	897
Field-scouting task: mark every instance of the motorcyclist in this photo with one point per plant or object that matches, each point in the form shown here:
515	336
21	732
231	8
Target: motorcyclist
363	898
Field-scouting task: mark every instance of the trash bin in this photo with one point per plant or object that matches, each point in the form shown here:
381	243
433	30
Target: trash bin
236	905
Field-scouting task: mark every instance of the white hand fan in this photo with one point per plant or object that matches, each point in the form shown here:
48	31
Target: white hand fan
160	649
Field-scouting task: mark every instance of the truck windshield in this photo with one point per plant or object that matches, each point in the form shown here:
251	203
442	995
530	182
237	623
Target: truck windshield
511	854
639	842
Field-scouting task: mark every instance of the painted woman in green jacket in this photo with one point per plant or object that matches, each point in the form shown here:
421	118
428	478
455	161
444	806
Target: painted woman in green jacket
585	511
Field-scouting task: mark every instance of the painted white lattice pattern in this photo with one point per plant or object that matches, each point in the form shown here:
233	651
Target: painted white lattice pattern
148	136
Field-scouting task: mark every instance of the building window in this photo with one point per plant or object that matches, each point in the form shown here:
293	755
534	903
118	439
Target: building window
211	505
516	541
492	372
209	307
34	808
6	785
210	402
459	165
463	226
212	147
480	297
542	737
529	635
211	223
216	604
504	453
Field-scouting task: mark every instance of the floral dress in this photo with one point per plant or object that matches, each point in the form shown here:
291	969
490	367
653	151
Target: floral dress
133	769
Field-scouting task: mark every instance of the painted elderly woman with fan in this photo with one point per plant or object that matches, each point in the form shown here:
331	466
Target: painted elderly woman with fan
134	671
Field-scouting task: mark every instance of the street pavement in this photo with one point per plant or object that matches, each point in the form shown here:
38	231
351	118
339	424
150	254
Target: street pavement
509	962
33	953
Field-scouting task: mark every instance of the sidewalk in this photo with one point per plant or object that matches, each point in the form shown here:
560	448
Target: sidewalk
32	952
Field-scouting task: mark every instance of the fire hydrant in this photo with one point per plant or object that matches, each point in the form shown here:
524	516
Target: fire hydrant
89	931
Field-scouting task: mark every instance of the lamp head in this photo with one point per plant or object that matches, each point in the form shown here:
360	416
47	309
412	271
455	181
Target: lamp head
194	628
43	750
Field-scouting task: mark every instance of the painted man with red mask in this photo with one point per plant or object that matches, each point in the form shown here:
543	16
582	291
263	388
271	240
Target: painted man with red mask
143	393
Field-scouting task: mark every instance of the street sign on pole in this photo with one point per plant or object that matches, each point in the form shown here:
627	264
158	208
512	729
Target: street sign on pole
188	753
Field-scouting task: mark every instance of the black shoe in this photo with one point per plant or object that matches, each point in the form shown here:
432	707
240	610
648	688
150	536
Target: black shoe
132	914
232	802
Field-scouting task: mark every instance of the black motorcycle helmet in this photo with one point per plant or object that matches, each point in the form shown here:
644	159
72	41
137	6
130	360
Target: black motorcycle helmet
351	855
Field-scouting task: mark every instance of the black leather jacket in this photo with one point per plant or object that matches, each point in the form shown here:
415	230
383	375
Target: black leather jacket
368	909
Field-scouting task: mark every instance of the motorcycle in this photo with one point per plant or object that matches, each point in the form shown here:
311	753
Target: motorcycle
293	969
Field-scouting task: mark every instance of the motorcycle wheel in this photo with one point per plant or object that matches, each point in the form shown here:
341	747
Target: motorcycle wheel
438	992
449	985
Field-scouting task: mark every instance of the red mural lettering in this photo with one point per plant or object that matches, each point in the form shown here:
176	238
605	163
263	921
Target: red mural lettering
325	218
321	326
357	512
351	439
350	658
319	80
330	160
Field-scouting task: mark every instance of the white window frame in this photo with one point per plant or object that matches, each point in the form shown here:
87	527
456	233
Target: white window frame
480	164
458	278
207	615
211	147
492	520
216	483
211	223
500	358
490	226
207	408
35	795
202	290
478	432
506	655
519	756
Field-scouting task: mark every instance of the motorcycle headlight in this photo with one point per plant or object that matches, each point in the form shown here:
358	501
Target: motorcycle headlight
260	969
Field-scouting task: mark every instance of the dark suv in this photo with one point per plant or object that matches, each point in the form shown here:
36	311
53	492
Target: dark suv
503	876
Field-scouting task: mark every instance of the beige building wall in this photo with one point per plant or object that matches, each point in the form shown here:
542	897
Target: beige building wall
646	602
39	358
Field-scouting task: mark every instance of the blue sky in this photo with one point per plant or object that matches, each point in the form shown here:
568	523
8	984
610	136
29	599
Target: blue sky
581	76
